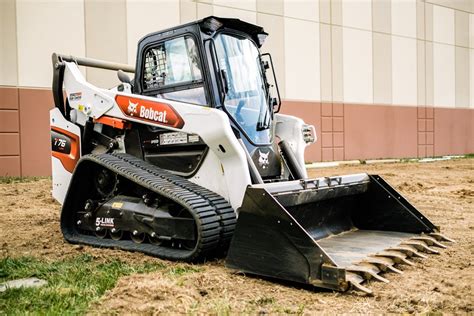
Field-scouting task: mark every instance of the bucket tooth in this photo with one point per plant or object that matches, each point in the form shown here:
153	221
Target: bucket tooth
420	245
408	250
441	237
397	256
355	280
368	271
430	241
383	263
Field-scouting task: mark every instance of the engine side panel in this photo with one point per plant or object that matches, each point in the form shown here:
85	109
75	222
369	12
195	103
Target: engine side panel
65	152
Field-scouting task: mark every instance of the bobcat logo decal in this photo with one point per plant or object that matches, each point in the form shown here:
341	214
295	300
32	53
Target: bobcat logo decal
132	108
263	159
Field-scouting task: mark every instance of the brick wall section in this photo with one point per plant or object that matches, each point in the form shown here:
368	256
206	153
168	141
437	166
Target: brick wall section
332	131
453	131
345	131
425	131
35	137
24	131
9	132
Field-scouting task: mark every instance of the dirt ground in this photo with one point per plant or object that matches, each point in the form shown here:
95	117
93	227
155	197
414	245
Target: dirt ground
443	191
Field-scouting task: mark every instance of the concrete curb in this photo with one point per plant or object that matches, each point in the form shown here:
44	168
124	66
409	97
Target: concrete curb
328	164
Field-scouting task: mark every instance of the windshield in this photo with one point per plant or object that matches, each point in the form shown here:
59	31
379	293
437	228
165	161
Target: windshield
246	98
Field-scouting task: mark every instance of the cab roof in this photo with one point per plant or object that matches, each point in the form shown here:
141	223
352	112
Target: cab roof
211	24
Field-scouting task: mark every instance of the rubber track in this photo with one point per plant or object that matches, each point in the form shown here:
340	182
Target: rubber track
214	217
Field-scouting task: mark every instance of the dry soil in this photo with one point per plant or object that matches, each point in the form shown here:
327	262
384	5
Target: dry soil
443	191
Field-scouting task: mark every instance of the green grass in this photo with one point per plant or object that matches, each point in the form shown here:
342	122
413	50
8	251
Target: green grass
72	283
10	180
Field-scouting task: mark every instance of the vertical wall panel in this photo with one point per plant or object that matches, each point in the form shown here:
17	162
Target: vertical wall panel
326	62
248	16
275	45
404	71
250	5
8	44
337	64
357	14
421	72
462	28
462	77
463	5
429	22
404	18
302	66
325	11
429	82
145	17
357	57
105	20
305	10
270	6
204	10
336	12
382	52
44	27
382	16
471	30
420	19
187	11
443	25
443	75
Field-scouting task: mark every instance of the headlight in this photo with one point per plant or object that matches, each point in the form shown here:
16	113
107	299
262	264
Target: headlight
309	134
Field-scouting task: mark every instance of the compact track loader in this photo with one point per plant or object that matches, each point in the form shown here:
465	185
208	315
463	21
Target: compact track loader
191	160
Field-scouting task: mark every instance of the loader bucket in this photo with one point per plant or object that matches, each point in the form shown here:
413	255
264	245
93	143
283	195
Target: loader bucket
329	232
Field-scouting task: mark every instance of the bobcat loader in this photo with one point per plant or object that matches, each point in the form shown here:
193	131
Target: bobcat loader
191	160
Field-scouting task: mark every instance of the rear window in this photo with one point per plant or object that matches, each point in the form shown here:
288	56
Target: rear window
172	62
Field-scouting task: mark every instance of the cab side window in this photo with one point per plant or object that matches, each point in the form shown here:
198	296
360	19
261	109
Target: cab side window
172	70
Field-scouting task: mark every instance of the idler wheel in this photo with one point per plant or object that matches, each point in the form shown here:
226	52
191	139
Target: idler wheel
106	182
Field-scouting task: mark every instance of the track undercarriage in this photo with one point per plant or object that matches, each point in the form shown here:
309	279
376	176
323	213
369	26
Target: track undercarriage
124	202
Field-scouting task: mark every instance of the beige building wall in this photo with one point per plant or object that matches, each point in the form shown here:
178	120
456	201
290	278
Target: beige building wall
8	44
144	17
105	37
401	52
44	27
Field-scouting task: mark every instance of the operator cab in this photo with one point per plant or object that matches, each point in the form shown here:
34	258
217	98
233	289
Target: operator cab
216	62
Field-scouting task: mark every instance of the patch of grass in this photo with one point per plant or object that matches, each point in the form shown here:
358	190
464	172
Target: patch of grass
10	180
469	155
72	283
265	301
183	269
